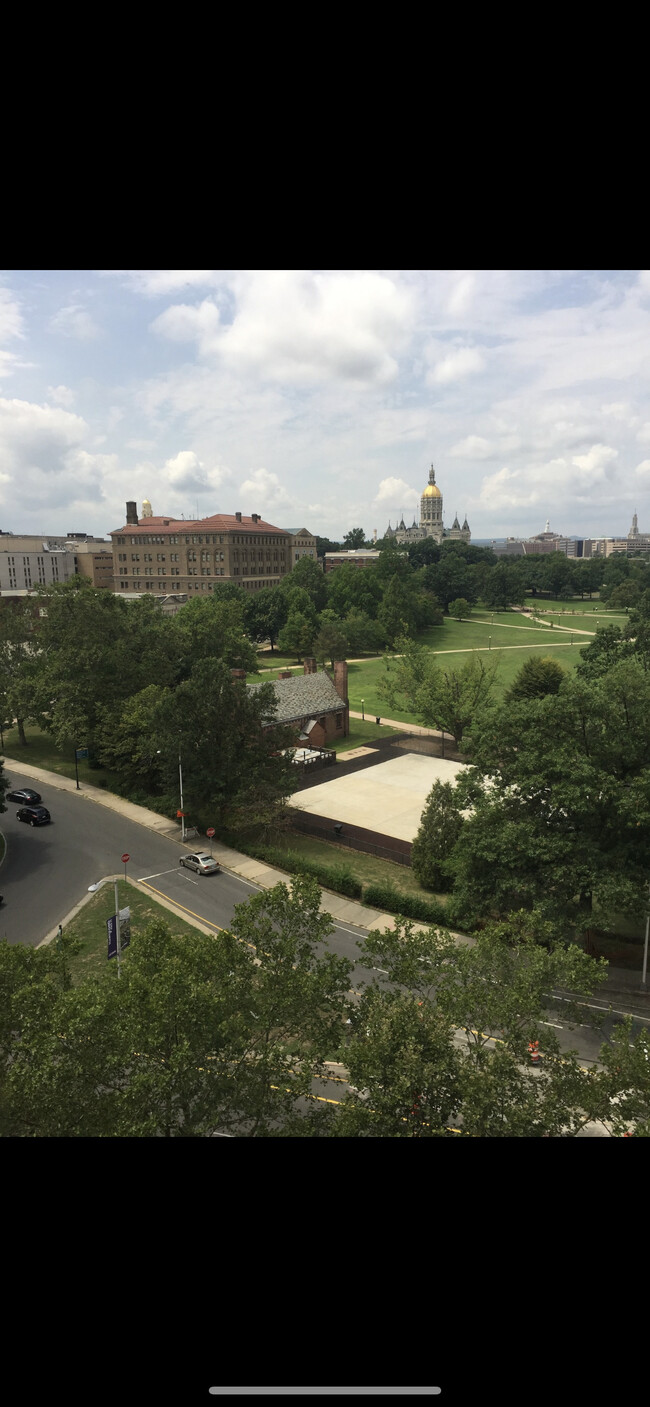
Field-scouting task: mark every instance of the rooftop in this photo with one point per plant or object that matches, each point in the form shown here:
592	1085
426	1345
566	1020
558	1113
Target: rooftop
304	694
218	522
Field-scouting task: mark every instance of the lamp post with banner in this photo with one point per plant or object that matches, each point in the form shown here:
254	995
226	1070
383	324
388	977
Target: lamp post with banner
181	813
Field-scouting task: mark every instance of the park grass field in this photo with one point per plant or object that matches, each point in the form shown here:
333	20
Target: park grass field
89	925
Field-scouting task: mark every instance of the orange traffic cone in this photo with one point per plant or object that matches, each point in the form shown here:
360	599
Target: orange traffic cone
533	1051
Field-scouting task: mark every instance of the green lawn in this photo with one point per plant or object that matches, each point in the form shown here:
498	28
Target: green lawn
42	751
368	868
361	733
90	926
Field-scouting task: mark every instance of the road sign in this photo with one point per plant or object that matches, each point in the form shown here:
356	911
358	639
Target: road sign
125	858
82	752
180	813
210	831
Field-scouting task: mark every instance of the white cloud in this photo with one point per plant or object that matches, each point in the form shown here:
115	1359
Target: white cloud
643	469
643	435
302	328
594	463
159	283
188	474
266	492
11	318
74	321
465	361
557	482
61	394
396	493
183	323
473	447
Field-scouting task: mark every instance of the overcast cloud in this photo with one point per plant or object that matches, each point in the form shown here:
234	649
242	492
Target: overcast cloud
319	399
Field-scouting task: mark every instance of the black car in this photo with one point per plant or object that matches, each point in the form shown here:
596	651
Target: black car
32	798
36	815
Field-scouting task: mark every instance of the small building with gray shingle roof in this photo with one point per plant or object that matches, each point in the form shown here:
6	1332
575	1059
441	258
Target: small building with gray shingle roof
313	703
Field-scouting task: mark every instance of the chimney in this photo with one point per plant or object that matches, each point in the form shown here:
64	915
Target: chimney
238	517
255	517
285	674
310	665
341	679
132	513
238	673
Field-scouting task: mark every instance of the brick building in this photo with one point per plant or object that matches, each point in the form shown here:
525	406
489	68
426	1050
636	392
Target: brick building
313	703
172	555
363	557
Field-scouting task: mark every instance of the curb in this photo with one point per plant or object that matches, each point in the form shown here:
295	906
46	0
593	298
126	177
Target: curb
110	879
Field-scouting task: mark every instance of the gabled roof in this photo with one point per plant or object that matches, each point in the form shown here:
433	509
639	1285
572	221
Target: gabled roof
304	695
219	522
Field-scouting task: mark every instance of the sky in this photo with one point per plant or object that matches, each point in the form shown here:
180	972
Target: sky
319	399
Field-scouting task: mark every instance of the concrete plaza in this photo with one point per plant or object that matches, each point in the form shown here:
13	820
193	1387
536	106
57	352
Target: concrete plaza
389	797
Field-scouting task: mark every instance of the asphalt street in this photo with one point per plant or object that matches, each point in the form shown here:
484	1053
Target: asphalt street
48	870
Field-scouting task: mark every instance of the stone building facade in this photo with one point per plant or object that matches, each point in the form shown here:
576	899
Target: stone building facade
431	524
171	555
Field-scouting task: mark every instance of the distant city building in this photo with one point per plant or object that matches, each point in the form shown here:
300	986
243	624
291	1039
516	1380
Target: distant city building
29	560
431	524
304	544
362	557
170	555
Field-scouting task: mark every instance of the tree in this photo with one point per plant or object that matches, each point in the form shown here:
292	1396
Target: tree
324	545
450	578
449	1049
198	1036
331	642
607	649
354	538
460	609
560	798
626	594
17	665
503	587
353	588
265	612
538	675
235	776
440	826
398	612
447	698
297	635
310	577
129	734
211	627
364	635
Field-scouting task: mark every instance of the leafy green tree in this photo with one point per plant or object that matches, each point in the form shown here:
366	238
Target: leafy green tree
234	774
199	1036
503	587
129	734
18	674
627	594
331	641
446	698
560	797
607	649
296	636
310	577
538	675
460	609
354	538
353	588
440	826
398	613
324	545
449	1050
589	575
364	635
265	613
423	553
209	627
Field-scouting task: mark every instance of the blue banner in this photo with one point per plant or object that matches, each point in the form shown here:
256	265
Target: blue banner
125	932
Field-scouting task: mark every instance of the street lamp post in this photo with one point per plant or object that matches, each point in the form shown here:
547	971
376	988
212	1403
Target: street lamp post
645	945
182	813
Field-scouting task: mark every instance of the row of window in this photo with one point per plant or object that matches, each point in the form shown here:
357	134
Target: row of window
195	539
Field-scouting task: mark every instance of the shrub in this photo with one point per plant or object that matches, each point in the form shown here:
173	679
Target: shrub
340	878
385	896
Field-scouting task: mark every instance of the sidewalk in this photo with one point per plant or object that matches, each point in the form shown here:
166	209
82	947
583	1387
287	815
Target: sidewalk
343	910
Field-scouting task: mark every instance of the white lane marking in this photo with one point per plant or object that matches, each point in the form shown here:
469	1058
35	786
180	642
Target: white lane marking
609	1011
380	969
156	875
552	1023
190	881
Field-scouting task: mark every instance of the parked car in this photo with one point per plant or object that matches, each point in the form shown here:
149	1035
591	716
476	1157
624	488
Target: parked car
36	815
31	798
202	863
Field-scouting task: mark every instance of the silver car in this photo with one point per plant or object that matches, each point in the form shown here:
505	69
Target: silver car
201	862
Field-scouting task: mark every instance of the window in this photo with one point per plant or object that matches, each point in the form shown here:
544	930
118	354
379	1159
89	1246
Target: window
135	556
136	571
148	571
161	571
339	720
147	557
160	556
173	556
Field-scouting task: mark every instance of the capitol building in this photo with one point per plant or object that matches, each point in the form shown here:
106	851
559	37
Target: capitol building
431	524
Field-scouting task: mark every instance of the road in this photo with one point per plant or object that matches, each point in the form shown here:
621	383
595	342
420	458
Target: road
48	870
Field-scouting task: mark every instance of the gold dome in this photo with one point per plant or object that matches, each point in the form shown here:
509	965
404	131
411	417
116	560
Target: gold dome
432	491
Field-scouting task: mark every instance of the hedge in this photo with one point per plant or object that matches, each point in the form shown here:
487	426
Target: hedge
337	877
386	897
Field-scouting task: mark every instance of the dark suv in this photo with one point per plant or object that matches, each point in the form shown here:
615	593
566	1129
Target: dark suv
36	815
